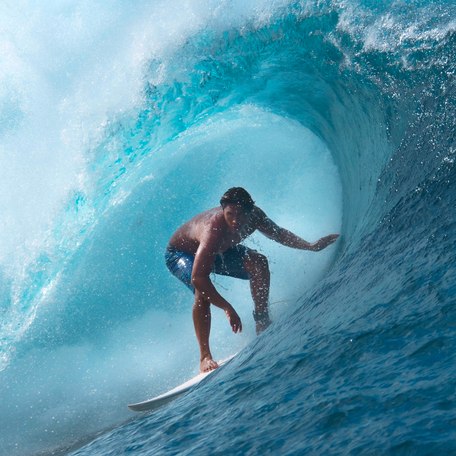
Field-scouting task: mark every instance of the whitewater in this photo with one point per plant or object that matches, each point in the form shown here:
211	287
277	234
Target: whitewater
120	121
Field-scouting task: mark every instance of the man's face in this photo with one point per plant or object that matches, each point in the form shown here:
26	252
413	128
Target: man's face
235	216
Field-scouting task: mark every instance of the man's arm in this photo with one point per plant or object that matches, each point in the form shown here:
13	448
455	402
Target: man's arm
202	267
289	239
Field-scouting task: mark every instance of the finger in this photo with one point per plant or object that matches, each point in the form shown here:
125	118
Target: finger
239	327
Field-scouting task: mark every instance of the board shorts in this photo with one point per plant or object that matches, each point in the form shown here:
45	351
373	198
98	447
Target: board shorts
229	263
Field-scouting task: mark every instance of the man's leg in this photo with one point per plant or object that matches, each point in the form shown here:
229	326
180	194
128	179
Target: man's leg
257	266
202	322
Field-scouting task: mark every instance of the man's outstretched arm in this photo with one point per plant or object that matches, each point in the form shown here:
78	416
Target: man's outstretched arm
289	239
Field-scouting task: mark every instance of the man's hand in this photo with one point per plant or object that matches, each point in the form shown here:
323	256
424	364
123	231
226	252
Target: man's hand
233	318
324	242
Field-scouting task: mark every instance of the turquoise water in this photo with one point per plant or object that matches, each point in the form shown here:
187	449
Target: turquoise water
119	123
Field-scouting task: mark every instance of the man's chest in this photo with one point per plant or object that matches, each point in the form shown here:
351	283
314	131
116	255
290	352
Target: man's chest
232	239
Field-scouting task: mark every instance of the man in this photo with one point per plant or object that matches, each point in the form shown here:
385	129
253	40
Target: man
211	242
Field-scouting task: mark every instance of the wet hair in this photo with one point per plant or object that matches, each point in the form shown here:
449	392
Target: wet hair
238	196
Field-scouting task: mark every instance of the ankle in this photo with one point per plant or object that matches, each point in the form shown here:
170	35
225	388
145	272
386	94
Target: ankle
261	316
206	355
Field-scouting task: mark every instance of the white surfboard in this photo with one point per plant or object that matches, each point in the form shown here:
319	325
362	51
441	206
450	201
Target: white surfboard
162	399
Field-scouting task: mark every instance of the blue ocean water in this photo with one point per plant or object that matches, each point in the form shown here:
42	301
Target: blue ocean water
118	122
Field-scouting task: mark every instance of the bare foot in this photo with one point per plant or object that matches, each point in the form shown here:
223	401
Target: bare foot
262	324
207	364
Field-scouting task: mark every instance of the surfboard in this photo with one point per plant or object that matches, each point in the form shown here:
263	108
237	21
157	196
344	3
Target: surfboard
158	401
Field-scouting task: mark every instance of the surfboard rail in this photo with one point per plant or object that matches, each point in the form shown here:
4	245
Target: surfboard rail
162	399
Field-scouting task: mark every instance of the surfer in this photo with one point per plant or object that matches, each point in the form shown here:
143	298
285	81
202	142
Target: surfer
211	243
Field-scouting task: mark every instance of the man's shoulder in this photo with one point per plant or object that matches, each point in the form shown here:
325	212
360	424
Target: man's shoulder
213	217
206	217
258	215
211	221
260	221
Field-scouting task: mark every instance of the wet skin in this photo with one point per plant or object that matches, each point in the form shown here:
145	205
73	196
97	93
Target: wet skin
215	231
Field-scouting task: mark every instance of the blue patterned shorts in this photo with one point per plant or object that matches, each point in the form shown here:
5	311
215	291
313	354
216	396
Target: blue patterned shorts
229	263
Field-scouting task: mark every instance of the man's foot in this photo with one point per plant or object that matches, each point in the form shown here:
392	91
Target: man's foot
261	326
207	364
262	321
